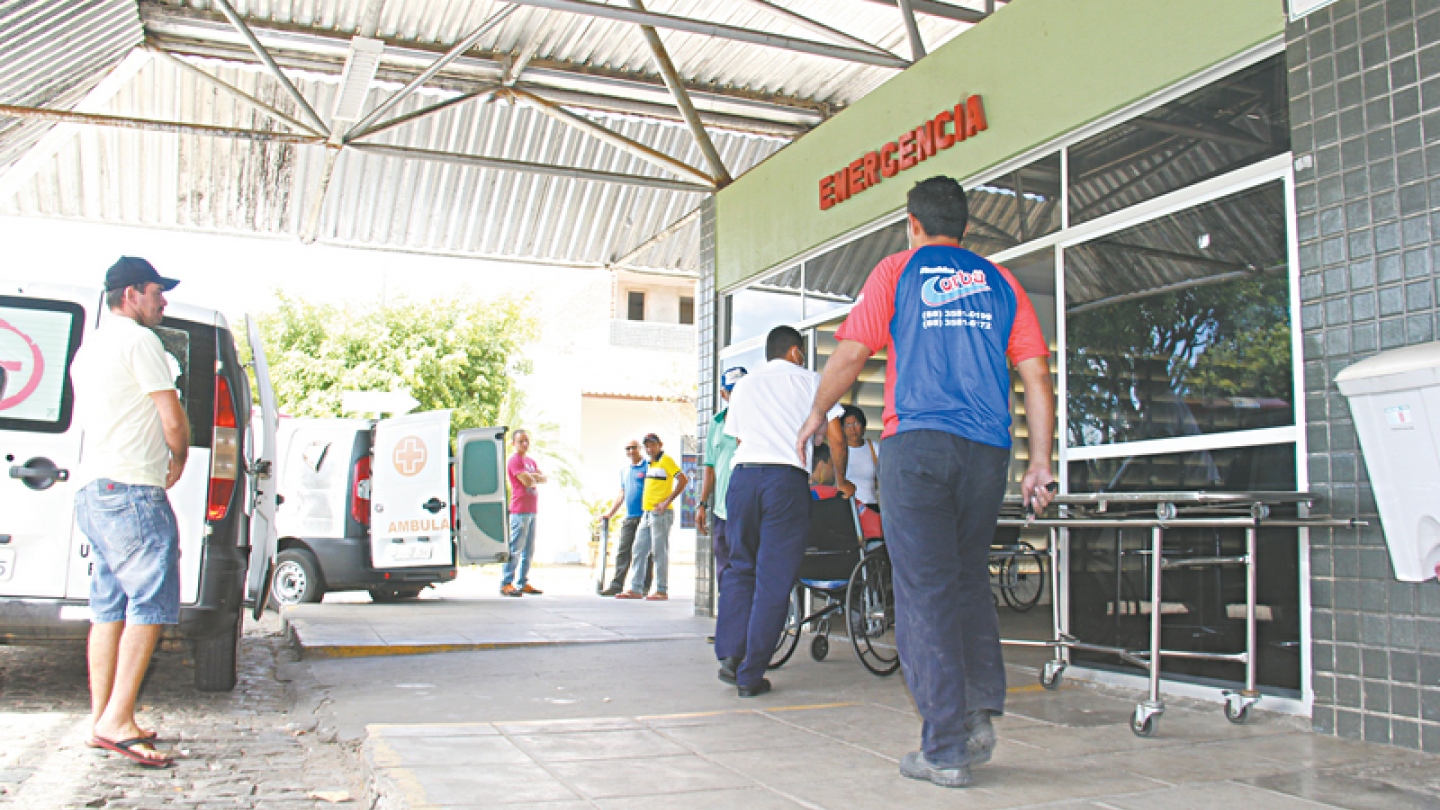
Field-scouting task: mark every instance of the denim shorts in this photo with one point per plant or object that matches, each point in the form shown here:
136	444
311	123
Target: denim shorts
135	542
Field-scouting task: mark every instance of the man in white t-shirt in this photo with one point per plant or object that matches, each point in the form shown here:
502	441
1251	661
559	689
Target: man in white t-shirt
767	508
136	440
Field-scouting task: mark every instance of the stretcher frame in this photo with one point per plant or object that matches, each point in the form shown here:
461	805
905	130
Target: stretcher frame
1159	511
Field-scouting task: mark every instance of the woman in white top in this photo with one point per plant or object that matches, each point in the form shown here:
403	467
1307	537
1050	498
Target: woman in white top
862	468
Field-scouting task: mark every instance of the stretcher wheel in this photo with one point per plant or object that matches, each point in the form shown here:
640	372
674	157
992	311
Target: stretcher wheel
1236	714
790	636
819	648
1146	727
1050	677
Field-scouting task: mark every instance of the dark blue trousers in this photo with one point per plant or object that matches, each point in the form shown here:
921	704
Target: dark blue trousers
767	521
942	497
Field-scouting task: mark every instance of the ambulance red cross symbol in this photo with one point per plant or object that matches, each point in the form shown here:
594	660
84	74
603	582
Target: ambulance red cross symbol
410	456
22	387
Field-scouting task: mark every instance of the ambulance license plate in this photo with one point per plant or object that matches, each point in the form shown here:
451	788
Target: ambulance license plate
411	551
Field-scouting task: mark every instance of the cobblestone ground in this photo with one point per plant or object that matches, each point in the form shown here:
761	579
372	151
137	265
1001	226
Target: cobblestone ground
259	746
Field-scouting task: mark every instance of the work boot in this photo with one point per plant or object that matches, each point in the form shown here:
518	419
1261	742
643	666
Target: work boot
754	690
510	590
531	589
914	765
728	667
611	591
981	742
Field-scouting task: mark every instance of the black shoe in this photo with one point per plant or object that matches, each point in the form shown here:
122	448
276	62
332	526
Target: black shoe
728	667
610	591
754	691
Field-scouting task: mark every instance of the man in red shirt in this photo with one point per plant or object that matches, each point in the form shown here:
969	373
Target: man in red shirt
949	320
524	475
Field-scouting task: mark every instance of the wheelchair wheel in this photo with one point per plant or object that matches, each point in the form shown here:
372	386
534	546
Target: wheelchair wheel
1023	578
790	636
870	614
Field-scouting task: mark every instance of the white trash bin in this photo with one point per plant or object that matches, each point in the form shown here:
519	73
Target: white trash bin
1395	401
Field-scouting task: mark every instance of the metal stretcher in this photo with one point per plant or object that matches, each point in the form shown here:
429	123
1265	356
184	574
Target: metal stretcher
1159	511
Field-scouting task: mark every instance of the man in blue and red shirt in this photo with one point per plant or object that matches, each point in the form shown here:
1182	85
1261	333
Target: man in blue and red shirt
949	321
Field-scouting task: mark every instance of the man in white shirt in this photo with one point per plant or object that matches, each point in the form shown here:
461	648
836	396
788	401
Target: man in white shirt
767	508
136	440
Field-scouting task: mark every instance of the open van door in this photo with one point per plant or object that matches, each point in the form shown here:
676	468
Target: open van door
480	495
410	492
263	480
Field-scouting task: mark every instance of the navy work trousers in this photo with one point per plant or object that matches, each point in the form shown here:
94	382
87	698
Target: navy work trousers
767	521
942	498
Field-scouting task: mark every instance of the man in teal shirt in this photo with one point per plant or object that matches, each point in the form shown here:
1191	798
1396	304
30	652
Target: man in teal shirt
719	452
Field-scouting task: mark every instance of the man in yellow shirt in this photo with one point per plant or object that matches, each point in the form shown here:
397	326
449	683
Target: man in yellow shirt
663	484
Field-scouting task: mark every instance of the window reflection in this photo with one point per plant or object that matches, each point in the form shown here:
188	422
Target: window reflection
1181	326
1267	468
1014	208
1227	124
755	310
833	280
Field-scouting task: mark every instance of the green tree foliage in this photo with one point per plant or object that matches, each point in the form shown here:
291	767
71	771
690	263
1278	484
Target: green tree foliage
446	353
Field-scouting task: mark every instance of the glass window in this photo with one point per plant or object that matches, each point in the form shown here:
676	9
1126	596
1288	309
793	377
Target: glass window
755	310
1267	468
636	306
687	309
37	342
1227	124
868	392
834	279
1181	326
1014	208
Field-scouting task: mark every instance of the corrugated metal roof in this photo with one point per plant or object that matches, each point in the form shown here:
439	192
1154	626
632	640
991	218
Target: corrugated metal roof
130	177
56	52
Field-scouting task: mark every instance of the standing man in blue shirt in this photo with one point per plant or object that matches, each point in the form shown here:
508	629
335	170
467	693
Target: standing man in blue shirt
632	492
719	460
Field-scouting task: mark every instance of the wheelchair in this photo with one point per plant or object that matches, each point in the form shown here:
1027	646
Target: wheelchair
844	577
1017	571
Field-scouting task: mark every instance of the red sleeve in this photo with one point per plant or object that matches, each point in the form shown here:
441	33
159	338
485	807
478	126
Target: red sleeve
1026	339
869	321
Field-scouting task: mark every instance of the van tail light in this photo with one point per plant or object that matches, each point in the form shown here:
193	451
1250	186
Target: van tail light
225	453
360	495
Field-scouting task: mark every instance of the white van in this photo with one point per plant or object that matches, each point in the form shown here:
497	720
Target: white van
224	502
379	505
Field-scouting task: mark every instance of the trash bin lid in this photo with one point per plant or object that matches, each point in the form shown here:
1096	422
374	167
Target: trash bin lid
1403	369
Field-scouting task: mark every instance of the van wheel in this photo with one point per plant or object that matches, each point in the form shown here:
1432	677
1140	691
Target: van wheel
297	578
393	594
217	659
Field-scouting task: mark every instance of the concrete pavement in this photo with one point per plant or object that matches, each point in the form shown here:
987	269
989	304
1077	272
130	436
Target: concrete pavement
646	724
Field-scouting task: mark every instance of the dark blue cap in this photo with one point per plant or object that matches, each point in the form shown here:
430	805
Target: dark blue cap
132	270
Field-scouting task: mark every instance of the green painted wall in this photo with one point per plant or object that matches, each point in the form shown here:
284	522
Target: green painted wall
1044	68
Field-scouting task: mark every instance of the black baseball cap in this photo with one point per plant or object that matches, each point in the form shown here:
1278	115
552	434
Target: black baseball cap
132	270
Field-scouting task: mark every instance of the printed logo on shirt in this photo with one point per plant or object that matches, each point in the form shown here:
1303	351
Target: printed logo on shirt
940	291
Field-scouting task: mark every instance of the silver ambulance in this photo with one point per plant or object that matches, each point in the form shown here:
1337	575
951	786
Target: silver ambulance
224	502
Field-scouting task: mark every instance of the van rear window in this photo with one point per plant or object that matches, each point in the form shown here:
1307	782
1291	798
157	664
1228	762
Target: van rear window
38	339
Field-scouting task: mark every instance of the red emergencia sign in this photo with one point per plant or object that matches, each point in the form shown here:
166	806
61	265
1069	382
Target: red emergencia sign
964	120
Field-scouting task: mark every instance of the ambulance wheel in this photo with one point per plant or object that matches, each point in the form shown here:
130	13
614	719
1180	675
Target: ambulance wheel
297	578
393	594
217	659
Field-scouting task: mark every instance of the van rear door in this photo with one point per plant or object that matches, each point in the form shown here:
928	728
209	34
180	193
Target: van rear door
480	495
410	492
39	447
263	478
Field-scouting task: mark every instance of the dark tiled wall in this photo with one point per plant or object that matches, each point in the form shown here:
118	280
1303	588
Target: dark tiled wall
1364	82
705	307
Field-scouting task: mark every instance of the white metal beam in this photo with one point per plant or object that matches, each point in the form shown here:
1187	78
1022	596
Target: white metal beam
505	164
682	101
912	30
235	92
719	31
943	10
435	67
263	55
